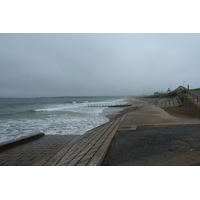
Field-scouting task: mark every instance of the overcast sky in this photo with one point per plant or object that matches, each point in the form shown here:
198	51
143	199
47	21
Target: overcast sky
35	65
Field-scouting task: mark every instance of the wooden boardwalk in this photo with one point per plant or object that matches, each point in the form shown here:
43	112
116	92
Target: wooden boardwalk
51	150
91	149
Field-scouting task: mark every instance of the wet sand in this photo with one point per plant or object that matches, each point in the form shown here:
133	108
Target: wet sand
114	113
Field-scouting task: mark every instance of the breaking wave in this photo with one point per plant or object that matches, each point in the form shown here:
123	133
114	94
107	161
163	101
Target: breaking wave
51	116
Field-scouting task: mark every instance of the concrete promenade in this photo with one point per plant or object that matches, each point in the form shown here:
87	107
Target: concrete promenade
155	137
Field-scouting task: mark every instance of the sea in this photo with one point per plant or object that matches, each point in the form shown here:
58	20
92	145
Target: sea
21	117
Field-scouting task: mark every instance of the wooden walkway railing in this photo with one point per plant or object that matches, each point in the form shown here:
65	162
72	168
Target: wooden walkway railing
173	101
177	101
194	95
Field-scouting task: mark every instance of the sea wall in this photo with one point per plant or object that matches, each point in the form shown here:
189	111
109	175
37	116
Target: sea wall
191	105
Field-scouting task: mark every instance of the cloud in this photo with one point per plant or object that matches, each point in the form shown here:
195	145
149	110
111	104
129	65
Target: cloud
96	64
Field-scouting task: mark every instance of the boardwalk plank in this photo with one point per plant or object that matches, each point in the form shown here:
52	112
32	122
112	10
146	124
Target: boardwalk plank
84	145
84	163
100	154
87	156
55	159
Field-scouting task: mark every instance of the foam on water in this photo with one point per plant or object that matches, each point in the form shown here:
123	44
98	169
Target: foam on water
54	119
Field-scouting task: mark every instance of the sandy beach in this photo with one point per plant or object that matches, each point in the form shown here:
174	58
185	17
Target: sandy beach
113	113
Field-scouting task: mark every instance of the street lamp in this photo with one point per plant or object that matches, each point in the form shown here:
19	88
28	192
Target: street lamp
183	83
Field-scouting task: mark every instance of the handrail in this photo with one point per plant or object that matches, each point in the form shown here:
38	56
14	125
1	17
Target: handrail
194	95
183	89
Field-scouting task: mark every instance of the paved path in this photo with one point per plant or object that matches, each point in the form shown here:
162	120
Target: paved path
36	152
52	150
150	114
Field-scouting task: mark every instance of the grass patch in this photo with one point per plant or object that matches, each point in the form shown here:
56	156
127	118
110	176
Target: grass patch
156	95
197	89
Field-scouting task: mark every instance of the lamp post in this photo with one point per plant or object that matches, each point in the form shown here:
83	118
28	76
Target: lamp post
183	83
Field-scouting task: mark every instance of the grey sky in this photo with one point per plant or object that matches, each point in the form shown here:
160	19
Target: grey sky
33	65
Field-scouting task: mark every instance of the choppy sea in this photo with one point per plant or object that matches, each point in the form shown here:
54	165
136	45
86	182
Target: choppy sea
53	116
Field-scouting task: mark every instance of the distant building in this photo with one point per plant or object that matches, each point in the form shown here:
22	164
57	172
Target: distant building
168	90
158	92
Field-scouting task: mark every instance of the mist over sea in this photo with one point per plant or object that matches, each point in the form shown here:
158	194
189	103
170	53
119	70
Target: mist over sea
54	116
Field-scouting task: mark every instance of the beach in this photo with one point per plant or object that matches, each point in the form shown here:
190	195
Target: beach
113	113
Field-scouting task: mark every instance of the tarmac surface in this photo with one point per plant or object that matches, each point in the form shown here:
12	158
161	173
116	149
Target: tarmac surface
174	145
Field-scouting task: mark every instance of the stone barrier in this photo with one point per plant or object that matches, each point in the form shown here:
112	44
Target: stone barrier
16	142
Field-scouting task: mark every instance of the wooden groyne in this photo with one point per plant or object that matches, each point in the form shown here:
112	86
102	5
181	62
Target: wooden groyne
120	105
